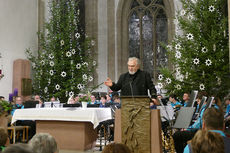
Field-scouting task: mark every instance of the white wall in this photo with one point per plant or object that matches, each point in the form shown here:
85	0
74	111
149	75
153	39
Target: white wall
18	28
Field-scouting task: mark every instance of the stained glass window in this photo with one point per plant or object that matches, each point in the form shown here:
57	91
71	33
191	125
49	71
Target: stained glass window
148	27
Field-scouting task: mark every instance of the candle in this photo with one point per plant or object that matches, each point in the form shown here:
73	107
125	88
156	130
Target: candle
16	92
10	97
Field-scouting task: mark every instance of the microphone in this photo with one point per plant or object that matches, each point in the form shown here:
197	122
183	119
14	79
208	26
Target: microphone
131	88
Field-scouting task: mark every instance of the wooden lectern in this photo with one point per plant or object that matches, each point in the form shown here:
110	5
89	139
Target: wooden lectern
137	126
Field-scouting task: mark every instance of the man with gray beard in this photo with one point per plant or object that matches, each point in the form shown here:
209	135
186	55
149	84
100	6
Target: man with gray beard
135	82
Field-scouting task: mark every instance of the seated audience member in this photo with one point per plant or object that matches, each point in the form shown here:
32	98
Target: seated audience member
216	103
109	98
52	99
93	100
18	148
76	99
43	143
181	137
227	103
4	140
37	98
186	99
103	102
71	101
207	142
2	98
32	124
213	121
116	148
174	102
18	104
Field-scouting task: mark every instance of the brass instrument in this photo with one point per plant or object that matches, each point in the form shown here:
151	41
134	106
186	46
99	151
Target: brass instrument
167	141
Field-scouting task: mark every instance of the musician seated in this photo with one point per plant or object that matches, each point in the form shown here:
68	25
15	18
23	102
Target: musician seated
174	102
213	121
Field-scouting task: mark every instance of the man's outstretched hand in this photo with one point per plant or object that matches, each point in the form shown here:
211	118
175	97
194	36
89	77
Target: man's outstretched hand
108	82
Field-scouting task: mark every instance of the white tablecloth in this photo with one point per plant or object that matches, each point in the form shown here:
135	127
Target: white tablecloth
93	115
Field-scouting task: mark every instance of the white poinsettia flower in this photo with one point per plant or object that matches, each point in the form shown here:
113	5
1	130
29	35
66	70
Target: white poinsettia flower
79	86
77	35
178	54
71	93
51	72
218	80
94	63
84	76
78	66
51	63
68	54
183	12
51	56
178	46
42	62
178	87
92	42
204	50
211	8
196	61
33	64
73	51
189	36
45	90
194	1
63	74
168	80
160	85
57	87
181	78
85	63
169	47
160	77
202	87
62	42
208	62
190	17
90	78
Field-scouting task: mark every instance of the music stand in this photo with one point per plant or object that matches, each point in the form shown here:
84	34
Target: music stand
184	117
204	98
209	102
167	113
30	104
192	98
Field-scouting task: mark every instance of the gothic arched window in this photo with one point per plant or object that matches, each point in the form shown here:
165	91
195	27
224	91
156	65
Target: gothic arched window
148	28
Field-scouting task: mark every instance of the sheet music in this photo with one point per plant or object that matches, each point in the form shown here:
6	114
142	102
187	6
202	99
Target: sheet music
167	112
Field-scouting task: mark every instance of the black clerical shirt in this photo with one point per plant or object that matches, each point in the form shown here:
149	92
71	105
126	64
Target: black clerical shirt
136	84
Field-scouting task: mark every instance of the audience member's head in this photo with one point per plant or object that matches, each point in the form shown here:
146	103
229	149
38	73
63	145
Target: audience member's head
103	99
207	142
213	119
52	99
186	96
116	99
37	98
173	98
18	100
93	98
18	148
116	148
227	99
3	136
2	98
43	143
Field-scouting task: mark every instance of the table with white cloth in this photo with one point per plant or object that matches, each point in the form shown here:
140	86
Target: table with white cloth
73	128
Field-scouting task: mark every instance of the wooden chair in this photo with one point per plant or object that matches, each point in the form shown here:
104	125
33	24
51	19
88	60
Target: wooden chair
15	131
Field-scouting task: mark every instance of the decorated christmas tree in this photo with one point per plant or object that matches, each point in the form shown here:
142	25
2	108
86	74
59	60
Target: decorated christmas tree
199	53
64	64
